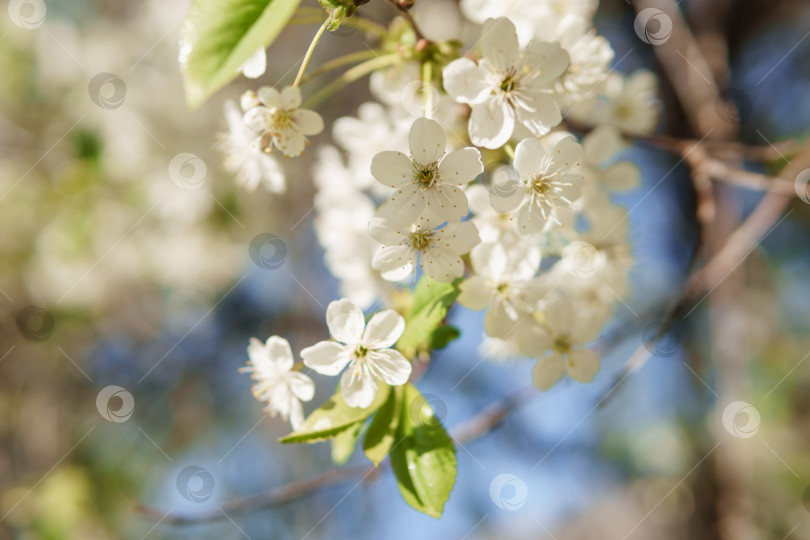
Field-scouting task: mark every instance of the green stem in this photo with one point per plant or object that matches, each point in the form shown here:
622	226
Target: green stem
427	88
352	75
360	23
509	151
350	58
311	49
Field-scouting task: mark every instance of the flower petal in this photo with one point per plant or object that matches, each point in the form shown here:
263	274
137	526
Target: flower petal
560	316
601	144
499	43
406	204
442	265
621	176
426	141
583	364
392	169
566	154
546	114
269	96
358	389
386	231
489	260
458	238
548	371
291	98
461	166
550	59
383	330
278	349
301	386
465	81
529	157
491	124
447	202
345	321
530	218
389	366
394	262
498	321
475	293
308	122
533	340
296	414
326	357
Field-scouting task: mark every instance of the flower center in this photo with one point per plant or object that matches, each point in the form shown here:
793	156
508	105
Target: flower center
426	175
281	119
360	352
562	344
420	240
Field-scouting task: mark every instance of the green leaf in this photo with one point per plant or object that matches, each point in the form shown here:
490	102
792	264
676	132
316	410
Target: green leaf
333	417
443	335
431	301
383	430
344	443
423	456
219	35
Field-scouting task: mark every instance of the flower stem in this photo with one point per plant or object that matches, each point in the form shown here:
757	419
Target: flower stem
356	21
352	75
427	88
350	58
311	49
509	151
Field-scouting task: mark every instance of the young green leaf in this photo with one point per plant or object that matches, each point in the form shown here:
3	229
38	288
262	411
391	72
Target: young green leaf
344	443
333	417
219	35
443	335
423	456
431	301
382	432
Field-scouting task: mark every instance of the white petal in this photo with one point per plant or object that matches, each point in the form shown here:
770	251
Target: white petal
383	330
533	340
291	98
269	96
601	144
280	353
256	119
531	219
427	141
465	81
255	66
583	364
491	124
560	315
392	169
461	166
565	155
358	391
499	43
395	262
296	414
406	204
301	386
442	265
489	260
549	58
308	122
345	321
389	366
529	157
386	231
546	114
506	192
290	141
447	202
475	293
622	176
548	371
458	238
498	321
326	357
585	328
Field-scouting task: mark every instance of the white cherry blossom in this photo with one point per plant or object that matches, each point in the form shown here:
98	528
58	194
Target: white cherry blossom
271	366
245	158
277	118
547	187
559	344
507	85
437	251
365	349
427	179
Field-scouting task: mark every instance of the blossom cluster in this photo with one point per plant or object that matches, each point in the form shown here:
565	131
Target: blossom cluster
501	184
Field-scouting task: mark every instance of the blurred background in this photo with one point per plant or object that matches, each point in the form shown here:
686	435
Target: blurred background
126	303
